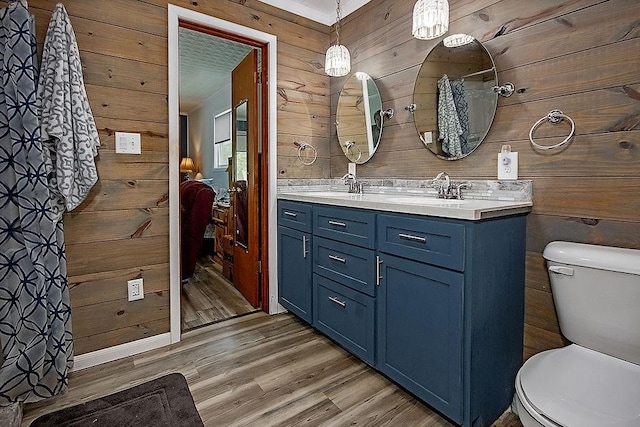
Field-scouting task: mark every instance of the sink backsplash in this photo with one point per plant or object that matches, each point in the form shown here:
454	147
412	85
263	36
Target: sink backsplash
517	191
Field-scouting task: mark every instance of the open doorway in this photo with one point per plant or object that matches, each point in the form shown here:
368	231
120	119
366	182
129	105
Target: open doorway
222	174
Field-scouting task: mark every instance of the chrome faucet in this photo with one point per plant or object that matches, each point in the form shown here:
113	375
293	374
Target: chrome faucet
447	189
443	183
350	180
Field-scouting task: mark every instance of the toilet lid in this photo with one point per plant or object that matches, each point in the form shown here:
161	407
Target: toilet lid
575	386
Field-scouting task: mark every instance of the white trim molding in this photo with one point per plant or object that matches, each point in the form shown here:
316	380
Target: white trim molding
175	15
110	354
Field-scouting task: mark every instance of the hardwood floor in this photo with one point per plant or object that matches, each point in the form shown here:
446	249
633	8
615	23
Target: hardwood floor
208	297
261	370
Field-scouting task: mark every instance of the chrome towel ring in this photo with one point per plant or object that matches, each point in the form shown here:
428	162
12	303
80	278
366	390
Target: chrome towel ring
302	146
348	146
554	117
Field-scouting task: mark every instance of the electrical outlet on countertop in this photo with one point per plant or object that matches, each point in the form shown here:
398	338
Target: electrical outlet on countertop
508	165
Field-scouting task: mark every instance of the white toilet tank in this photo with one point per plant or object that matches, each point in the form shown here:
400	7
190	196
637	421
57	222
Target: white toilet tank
596	290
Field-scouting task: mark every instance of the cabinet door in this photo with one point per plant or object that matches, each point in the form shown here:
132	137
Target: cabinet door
346	316
419	334
294	271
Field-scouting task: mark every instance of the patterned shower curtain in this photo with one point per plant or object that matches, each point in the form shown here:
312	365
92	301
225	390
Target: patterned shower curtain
35	313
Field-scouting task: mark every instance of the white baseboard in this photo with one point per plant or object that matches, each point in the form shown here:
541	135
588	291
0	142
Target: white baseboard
110	354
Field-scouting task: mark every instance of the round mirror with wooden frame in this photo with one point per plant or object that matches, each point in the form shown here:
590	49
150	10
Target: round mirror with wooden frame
454	98
358	118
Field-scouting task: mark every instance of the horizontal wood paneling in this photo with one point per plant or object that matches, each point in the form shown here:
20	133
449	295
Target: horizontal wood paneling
121	230
568	55
126	194
549	48
292	30
154	136
111	38
111	71
542	229
86	227
95	288
133	332
95	257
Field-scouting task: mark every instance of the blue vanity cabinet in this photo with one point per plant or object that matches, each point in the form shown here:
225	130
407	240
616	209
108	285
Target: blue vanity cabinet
436	304
295	258
344	278
450	311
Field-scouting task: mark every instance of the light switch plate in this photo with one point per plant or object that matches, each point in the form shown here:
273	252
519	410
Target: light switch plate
508	169
128	143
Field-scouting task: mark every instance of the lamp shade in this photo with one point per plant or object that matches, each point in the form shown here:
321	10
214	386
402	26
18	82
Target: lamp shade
186	164
337	61
430	19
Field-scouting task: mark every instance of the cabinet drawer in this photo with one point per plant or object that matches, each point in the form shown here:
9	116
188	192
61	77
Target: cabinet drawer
346	264
345	225
435	242
346	316
294	215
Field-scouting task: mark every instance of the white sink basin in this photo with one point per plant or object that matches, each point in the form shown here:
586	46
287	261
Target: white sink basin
409	200
327	193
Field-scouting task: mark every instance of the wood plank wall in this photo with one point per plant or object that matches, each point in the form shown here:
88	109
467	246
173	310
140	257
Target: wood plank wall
578	56
121	231
575	55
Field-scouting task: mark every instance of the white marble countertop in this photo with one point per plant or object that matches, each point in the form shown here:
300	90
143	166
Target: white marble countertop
468	209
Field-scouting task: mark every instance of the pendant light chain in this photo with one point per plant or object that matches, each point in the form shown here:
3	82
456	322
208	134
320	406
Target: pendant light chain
338	22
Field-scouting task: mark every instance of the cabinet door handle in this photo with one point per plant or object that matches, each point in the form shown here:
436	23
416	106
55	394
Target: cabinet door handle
337	258
337	301
291	214
338	224
413	238
378	276
304	247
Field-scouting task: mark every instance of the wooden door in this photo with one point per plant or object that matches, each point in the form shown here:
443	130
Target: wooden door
246	174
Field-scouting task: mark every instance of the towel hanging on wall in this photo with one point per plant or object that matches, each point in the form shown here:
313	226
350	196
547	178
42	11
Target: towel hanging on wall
67	124
35	311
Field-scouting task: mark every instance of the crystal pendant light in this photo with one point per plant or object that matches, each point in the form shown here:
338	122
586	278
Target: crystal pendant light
337	60
457	40
430	19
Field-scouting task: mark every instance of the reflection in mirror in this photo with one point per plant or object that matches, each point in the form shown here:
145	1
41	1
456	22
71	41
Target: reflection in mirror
359	119
454	98
241	198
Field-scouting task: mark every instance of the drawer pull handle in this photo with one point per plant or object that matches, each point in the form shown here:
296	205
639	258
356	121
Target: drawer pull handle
304	247
337	258
378	276
337	301
338	224
292	214
412	238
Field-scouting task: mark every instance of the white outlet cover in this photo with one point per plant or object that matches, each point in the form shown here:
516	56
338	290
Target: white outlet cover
135	289
128	143
508	169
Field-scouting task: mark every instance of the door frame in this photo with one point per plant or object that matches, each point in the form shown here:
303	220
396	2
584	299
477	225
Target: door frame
176	15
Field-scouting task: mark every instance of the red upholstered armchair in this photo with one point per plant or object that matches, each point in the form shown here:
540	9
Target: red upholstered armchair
196	200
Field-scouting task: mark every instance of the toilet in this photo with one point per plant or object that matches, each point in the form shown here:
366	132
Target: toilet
595	381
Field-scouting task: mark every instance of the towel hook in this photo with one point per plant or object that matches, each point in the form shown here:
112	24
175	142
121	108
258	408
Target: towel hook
302	146
554	117
505	90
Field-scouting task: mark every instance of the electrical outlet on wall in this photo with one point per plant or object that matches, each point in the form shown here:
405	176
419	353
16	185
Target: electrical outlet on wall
127	143
507	163
135	289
